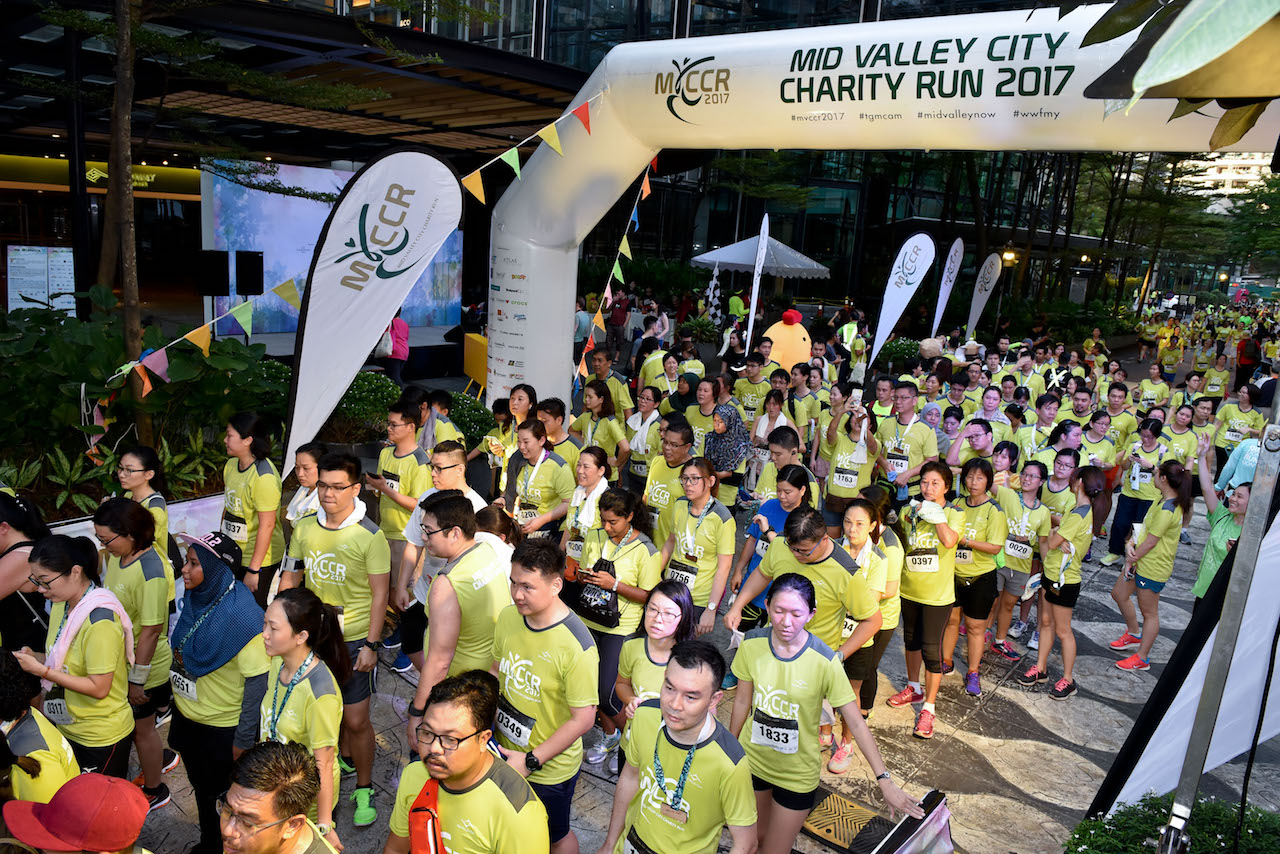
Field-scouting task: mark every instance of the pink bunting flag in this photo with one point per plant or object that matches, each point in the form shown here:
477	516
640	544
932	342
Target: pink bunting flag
158	364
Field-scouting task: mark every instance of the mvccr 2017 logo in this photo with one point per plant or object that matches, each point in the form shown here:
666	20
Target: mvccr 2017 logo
692	78
380	241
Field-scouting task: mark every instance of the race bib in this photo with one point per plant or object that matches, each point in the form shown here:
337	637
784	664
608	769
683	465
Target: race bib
514	724
1233	436
55	707
924	560
1214	388
391	481
762	454
525	515
682	572
1139	477
183	685
850	626
897	462
762	546
964	556
235	527
639	468
846	478
1016	548
573	549
777	733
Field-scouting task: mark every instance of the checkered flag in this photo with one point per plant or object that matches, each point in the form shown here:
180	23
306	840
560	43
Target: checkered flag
713	298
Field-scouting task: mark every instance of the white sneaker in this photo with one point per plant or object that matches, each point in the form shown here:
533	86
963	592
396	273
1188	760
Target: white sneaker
1016	628
1034	643
604	748
1110	560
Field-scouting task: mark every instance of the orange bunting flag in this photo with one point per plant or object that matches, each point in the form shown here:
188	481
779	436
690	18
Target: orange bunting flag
551	137
598	320
511	157
625	247
474	185
644	187
146	380
288	292
200	336
617	271
243	313
583	112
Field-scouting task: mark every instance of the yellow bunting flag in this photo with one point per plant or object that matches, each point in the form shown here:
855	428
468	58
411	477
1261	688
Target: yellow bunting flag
200	336
617	271
511	157
598	320
146	380
243	313
551	137
288	292
644	187
625	247
474	185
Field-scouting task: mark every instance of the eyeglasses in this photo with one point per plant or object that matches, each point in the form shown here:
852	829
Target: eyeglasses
688	479
448	743
225	813
666	616
41	584
435	469
333	487
391	425
106	543
667	444
427	532
799	552
127	470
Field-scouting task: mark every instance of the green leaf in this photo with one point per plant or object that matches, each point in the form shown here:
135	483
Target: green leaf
1125	16
1234	124
84	502
1186	107
1204	31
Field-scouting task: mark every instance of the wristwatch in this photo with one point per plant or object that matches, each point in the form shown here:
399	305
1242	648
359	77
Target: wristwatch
324	829
532	762
883	776
373	645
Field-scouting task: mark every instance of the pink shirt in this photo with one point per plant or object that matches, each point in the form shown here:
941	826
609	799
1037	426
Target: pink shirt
399	339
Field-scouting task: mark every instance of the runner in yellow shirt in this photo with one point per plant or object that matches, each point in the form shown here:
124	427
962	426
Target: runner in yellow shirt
662	484
542	486
1235	422
701	415
699	552
752	388
598	426
404	473
906	443
252	505
668	620
141	475
1217	381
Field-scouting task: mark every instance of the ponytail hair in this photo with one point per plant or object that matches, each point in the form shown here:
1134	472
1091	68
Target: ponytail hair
305	612
61	554
600	457
1094	482
252	426
1180	479
879	497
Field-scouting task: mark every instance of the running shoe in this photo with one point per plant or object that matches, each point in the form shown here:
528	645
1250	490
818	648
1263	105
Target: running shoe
392	643
1006	651
346	765
1062	689
1102	534
1016	628
1185	537
402	664
169	760
824	739
604	748
906	697
842	760
164	715
157	797
364	814
988	639
1110	560
1134	662
1088	556
1034	643
924	725
1125	641
972	685
948	667
729	681
1032	676
963	629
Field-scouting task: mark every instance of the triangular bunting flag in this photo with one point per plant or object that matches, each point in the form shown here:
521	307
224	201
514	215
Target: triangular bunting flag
99	420
551	137
635	219
608	292
653	164
200	336
146	380
474	185
511	157
625	247
644	187
598	321
158	364
288	291
583	112
617	271
243	313
587	348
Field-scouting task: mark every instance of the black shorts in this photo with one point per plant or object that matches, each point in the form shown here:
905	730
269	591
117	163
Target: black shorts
1146	342
862	664
557	798
360	685
1064	596
975	596
110	759
413	628
158	698
785	797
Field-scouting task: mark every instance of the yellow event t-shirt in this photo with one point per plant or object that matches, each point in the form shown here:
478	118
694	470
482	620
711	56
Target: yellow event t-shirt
34	736
906	446
407	475
312	715
249	492
636	664
1077	526
1027	525
338	563
839	588
636	562
1236	425
1164	521
752	396
145	589
985	523
96	649
218	695
661	489
929	568
480	583
698	545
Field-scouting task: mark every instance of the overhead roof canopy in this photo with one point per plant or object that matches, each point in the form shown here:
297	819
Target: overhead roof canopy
477	101
779	260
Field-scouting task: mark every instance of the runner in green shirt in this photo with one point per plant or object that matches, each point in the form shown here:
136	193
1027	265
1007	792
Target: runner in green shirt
273	787
662	484
252	504
1226	520
404	473
699	552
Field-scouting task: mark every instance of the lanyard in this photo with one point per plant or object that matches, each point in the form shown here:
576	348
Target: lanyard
899	430
671	385
710	500
620	544
591	431
216	602
677	797
529	480
297	677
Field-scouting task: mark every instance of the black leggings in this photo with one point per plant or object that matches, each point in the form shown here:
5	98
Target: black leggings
206	753
610	648
922	628
1128	511
867	694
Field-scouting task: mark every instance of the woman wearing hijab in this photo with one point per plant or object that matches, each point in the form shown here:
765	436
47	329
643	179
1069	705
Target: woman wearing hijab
219	675
685	395
727	447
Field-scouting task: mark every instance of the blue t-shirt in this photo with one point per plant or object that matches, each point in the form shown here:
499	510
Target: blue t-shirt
777	516
581	326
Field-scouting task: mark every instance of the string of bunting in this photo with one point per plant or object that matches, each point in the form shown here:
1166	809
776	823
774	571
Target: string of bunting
157	361
548	134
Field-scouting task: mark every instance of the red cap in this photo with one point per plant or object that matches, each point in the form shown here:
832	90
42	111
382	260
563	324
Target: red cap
91	812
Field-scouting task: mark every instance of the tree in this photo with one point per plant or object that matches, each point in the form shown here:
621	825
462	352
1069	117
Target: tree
1254	229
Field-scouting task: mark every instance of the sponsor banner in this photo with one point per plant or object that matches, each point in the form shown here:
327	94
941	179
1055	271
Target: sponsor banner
988	278
948	281
391	219
762	246
908	270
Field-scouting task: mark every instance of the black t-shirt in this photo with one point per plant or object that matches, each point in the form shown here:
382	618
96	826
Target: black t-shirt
22	616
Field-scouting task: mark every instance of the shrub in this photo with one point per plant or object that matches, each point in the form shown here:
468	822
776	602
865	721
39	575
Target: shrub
897	351
1212	828
362	410
701	329
472	418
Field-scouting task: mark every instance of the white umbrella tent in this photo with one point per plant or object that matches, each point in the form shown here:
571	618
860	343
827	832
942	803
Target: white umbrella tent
779	260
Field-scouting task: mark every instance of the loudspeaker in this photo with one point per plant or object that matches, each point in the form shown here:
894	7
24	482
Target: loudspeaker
248	274
213	276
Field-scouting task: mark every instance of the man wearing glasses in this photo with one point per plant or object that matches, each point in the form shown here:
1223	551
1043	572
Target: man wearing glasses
404	473
485	806
906	442
273	785
463	598
662	486
346	560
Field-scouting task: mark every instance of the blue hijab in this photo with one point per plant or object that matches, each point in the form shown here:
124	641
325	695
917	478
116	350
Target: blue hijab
236	620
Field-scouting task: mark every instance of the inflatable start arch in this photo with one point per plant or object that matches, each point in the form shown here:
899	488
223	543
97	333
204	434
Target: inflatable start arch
991	82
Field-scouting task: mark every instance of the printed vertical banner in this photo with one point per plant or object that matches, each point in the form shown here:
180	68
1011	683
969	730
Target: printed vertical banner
988	277
762	246
391	219
908	271
948	281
